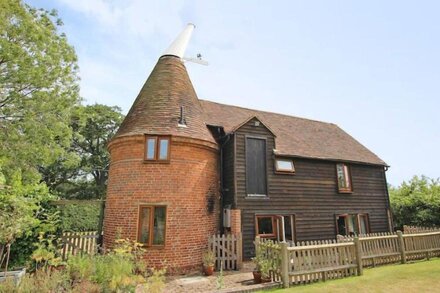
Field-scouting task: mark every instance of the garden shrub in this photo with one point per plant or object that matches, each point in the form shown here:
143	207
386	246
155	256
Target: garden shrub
40	281
416	202
80	217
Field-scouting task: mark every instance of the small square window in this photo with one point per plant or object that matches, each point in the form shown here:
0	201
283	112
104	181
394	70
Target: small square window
344	178
265	226
284	166
157	149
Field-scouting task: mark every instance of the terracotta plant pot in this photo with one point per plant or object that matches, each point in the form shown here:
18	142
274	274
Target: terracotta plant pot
208	271
266	279
257	277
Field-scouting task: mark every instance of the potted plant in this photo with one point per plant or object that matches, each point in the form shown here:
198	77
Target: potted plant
208	262
263	265
265	268
262	270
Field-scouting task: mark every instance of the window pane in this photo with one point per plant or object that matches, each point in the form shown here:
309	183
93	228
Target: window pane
341	226
343	176
144	226
284	165
346	176
151	148
352	226
159	226
163	152
288	229
265	225
363	224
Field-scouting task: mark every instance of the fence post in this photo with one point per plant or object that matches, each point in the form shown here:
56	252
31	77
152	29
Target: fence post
284	264
401	247
357	247
239	251
257	244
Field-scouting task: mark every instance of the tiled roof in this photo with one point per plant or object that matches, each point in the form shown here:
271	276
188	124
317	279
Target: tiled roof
156	109
295	136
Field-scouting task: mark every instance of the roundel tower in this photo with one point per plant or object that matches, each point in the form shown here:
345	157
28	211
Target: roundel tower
163	186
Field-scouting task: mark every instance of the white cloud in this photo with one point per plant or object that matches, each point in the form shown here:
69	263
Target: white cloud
136	17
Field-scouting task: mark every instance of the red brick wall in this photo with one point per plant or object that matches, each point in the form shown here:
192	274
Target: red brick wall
185	186
235	221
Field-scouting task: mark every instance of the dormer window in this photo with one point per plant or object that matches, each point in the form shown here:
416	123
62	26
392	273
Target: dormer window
284	166
344	178
157	149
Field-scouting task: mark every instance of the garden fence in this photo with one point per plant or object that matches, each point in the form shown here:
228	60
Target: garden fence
74	243
417	229
227	250
311	261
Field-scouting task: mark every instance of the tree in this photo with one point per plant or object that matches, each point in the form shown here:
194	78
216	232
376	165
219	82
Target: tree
38	89
86	176
416	202
18	205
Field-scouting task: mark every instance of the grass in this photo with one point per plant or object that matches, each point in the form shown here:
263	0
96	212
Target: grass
423	276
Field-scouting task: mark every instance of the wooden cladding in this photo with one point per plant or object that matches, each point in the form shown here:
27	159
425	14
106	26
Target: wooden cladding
157	149
256	173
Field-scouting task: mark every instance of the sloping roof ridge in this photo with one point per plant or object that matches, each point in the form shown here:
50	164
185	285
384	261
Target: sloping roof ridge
269	112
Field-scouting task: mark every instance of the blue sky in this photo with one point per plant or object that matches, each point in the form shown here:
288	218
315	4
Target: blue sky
372	67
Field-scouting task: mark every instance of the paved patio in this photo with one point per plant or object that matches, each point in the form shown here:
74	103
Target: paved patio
233	281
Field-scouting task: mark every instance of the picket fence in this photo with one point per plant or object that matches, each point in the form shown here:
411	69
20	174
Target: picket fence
227	250
416	229
311	261
74	243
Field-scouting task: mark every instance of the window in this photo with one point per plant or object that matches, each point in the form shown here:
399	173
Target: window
151	228
344	178
271	226
352	224
265	226
284	166
256	167
157	148
363	224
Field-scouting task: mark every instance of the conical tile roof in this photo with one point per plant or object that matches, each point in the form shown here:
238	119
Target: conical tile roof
156	109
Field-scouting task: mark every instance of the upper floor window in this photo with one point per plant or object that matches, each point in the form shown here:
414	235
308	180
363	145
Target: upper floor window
256	181
344	178
151	226
284	166
157	148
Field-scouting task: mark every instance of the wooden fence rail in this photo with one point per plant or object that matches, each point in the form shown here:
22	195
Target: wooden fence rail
74	243
417	229
227	250
307	262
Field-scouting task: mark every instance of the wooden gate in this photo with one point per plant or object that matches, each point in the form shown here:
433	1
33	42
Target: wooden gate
227	250
79	242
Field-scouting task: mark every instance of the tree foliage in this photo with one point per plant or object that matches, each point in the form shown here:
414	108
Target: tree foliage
416	202
82	216
38	89
83	171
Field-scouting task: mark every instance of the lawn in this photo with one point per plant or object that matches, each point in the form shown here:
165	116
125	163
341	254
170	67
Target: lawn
423	276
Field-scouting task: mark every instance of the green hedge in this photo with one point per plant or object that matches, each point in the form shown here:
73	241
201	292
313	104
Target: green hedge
79	216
